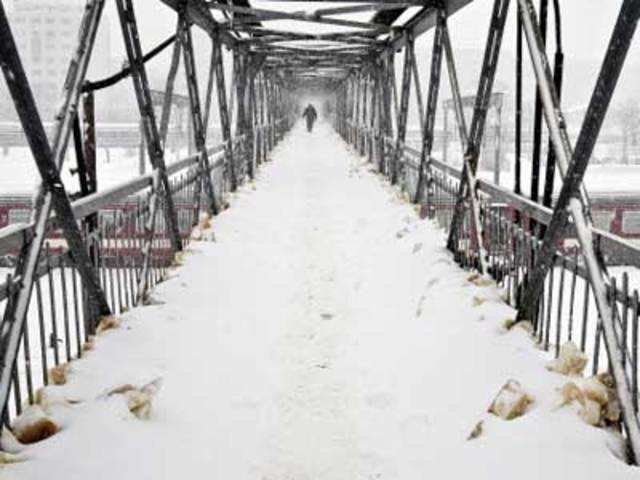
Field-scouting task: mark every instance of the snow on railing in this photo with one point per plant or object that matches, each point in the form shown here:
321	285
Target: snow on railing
511	226
59	327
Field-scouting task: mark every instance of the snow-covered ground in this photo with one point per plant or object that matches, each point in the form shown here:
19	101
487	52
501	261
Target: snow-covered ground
326	335
121	165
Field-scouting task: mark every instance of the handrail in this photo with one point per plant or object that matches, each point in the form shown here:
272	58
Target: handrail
13	236
611	244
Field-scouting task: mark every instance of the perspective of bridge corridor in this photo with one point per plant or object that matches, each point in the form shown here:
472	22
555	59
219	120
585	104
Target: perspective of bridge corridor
324	334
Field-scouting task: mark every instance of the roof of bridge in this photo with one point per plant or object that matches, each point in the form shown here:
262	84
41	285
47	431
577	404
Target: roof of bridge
315	40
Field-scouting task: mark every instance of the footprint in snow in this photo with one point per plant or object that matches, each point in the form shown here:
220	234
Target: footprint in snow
381	401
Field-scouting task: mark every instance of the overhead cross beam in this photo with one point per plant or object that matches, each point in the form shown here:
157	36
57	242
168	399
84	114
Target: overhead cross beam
261	14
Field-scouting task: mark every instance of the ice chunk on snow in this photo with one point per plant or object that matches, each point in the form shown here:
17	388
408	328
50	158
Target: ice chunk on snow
570	361
511	402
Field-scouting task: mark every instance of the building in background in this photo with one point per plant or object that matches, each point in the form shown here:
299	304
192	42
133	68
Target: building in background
46	32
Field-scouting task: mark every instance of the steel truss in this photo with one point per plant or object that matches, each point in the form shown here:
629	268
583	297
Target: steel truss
262	111
357	67
467	223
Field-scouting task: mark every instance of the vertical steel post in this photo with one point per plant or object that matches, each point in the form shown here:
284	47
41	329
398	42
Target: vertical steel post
52	193
430	114
133	48
225	124
464	140
402	114
572	200
483	97
90	223
199	135
418	87
167	101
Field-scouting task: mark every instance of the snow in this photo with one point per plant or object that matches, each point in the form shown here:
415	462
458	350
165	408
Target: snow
122	164
326	334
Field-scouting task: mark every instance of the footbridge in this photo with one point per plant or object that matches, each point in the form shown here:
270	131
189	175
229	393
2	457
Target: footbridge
342	303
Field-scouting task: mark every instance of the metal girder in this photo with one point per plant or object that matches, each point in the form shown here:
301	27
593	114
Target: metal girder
52	193
432	105
425	20
225	123
153	142
573	165
198	13
243	122
209	94
168	91
370	7
403	112
386	126
260	32
485	87
418	86
262	14
199	129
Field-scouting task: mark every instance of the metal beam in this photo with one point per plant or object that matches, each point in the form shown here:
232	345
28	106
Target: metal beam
168	91
225	124
483	97
262	14
428	127
153	142
184	32
403	112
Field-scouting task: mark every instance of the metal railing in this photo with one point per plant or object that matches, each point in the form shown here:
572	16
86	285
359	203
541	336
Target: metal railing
59	324
511	233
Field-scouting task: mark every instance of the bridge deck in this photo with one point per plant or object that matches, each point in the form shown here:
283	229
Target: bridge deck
328	335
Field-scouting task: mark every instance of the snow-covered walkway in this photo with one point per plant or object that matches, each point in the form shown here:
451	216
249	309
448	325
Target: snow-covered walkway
325	335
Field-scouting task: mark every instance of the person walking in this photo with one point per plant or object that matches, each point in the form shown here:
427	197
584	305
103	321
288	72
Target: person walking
310	115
